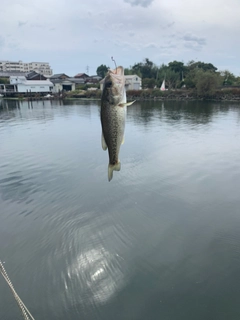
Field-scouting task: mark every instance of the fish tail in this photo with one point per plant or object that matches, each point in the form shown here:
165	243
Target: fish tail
113	167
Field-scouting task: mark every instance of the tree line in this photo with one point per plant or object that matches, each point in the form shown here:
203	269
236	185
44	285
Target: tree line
201	76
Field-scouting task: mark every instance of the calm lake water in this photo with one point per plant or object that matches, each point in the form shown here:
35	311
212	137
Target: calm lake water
160	241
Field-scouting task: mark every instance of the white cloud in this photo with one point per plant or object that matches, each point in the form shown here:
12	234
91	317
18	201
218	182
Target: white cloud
79	34
2	42
21	23
142	3
193	39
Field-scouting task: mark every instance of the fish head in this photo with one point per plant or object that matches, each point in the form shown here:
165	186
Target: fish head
114	86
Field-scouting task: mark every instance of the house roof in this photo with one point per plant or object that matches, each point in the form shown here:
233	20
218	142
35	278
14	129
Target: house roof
81	75
18	78
58	75
131	76
34	74
37	82
95	77
76	80
31	73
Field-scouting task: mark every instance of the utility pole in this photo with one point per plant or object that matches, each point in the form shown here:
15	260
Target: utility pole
87	70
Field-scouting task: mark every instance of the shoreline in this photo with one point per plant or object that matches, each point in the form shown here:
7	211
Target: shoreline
233	99
142	95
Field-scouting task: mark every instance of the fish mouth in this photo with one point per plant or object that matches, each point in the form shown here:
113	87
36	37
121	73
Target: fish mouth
118	71
117	74
113	79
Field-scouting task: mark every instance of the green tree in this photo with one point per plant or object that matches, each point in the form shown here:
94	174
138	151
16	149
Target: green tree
148	83
147	69
102	70
190	79
228	78
200	65
206	82
127	71
161	74
178	67
238	81
172	79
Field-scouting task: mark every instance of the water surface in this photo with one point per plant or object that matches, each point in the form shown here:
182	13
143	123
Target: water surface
160	241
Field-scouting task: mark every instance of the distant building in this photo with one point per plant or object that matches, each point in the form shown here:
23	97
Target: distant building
81	76
19	66
77	80
33	75
86	78
8	74
22	85
62	82
59	76
132	82
94	79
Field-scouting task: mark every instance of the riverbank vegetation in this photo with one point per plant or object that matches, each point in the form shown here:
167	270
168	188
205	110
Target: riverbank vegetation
198	79
232	94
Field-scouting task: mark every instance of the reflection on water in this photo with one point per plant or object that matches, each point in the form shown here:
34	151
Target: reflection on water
102	275
161	241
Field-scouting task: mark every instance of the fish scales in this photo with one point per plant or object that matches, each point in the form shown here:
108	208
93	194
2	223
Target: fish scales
113	115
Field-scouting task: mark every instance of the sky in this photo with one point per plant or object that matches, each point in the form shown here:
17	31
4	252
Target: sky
78	36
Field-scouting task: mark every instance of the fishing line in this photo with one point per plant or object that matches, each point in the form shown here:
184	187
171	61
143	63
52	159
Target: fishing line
115	63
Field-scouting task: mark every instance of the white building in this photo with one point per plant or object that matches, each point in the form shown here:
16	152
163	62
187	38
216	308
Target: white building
132	82
63	85
19	66
22	85
41	67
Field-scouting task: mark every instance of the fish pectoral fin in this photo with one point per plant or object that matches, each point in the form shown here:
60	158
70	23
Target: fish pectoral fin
126	104
104	145
113	167
123	140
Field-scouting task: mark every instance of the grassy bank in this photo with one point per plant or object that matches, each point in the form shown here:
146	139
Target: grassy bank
155	94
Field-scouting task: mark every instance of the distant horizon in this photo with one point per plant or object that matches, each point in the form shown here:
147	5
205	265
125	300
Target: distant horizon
94	74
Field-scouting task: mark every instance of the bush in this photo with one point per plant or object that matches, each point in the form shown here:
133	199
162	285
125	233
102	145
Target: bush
134	93
206	83
96	94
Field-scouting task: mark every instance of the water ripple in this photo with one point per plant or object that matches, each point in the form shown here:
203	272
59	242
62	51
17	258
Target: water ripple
160	241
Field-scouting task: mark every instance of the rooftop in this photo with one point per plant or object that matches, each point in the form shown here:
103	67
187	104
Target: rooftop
81	75
131	76
58	75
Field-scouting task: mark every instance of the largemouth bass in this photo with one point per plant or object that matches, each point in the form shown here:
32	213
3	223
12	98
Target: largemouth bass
113	115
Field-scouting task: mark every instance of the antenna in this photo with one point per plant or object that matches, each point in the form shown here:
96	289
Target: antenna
114	62
87	69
